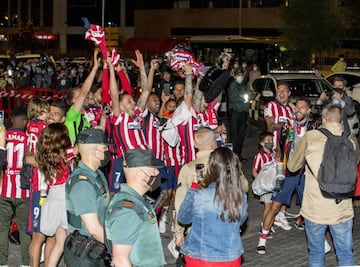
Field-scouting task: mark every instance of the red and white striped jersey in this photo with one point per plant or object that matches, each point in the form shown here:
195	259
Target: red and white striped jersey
261	158
33	131
153	134
171	155
280	113
16	141
186	131
209	117
126	132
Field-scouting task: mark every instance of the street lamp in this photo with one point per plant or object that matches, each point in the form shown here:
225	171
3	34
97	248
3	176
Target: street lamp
240	17
103	14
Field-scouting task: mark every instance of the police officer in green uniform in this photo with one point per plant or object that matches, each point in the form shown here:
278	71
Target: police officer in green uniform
131	226
87	197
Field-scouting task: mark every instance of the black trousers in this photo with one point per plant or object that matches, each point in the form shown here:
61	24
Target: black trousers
238	125
75	257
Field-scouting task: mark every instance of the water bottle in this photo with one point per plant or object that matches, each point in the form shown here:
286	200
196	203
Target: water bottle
280	176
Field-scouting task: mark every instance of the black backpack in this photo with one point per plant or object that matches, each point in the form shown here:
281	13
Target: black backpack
338	169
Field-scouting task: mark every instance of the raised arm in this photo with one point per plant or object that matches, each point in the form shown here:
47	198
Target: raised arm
143	80
154	65
124	79
105	95
188	95
85	88
114	92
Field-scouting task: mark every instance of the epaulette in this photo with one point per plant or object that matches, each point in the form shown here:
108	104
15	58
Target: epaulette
128	204
82	177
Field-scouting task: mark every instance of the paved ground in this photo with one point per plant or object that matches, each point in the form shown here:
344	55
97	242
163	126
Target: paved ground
287	248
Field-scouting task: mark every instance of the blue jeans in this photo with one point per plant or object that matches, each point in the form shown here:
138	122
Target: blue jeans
342	238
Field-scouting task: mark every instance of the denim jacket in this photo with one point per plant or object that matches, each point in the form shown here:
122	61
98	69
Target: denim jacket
210	239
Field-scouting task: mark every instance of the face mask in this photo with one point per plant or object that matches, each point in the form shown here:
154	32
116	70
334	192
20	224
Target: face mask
240	79
269	146
154	182
106	159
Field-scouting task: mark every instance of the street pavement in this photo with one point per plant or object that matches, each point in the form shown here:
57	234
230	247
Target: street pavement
286	248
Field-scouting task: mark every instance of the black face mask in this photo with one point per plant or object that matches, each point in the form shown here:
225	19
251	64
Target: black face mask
106	159
154	182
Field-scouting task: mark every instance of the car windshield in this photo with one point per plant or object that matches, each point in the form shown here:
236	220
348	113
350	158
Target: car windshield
307	87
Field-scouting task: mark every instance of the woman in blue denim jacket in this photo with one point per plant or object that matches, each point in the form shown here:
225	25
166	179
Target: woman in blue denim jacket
216	212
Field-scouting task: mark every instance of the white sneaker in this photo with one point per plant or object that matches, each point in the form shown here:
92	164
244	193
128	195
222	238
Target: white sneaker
172	248
42	257
327	247
24	265
281	221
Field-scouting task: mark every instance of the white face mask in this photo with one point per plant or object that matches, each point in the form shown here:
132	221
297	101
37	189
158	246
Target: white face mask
239	79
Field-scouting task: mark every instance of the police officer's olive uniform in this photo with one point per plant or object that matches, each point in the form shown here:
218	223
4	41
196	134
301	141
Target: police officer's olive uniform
86	192
130	220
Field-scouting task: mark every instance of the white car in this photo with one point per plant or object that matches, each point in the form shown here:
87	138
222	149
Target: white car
302	84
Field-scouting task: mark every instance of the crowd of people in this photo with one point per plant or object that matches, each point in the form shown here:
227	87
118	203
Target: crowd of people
94	179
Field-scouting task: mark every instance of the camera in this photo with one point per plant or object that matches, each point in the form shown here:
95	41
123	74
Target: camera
329	93
166	89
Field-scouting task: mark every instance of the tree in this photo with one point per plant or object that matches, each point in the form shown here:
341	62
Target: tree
312	26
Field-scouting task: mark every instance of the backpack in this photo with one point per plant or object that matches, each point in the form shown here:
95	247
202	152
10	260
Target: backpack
338	169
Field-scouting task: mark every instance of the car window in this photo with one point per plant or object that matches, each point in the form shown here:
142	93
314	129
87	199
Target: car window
305	87
258	85
352	80
270	85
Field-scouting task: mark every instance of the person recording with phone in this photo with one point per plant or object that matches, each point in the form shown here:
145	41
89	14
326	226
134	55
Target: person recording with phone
338	96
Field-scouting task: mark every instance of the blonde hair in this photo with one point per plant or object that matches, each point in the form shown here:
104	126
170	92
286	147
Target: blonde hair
36	107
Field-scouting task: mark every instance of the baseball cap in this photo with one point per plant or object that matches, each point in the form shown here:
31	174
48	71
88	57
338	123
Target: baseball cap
141	158
92	136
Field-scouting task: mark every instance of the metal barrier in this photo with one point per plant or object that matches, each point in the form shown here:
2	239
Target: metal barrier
11	97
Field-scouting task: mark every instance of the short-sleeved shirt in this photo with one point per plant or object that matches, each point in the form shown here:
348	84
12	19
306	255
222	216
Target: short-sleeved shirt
126	132
83	198
141	231
16	141
261	158
75	122
280	113
33	131
152	133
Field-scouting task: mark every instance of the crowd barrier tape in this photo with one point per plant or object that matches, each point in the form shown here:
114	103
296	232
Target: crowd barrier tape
11	98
